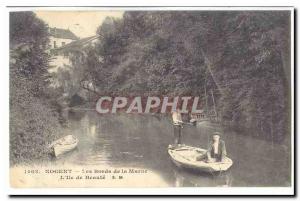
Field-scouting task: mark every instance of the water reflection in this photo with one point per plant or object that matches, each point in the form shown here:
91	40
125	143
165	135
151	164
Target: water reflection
142	141
185	178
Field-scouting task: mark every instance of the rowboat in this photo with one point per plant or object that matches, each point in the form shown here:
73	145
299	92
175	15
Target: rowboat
63	145
185	157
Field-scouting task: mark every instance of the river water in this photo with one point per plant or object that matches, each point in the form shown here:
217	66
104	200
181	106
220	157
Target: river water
141	141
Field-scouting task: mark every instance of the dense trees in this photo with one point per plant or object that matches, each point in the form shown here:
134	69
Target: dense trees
241	57
33	123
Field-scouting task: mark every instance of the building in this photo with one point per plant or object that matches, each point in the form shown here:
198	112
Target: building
60	37
61	62
62	55
76	46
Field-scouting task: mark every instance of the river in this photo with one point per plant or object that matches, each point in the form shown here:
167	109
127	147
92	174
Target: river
141	141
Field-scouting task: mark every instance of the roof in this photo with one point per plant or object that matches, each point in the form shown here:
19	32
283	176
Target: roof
78	43
62	33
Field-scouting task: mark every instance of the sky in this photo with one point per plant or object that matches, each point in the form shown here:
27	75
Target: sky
81	23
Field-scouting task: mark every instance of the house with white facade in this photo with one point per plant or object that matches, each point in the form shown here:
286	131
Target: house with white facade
60	38
62	57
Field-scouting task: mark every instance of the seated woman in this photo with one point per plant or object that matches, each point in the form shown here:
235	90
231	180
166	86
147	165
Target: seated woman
216	151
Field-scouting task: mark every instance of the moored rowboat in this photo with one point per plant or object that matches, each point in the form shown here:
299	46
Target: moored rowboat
64	145
185	157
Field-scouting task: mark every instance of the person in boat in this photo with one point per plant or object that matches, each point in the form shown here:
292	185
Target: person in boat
177	125
217	150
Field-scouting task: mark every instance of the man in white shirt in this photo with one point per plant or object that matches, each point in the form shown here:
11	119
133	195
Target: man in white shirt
177	124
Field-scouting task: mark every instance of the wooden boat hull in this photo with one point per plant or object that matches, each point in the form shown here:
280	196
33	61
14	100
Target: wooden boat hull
185	157
64	145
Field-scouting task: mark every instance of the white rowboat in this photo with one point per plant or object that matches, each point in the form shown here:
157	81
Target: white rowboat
64	145
185	157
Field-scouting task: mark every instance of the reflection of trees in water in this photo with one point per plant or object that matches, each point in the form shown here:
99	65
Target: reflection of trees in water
185	178
128	138
142	140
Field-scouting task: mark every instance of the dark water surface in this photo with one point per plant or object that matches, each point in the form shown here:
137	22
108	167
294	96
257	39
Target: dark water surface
142	140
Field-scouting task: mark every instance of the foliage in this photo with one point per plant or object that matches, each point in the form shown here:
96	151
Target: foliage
33	123
242	57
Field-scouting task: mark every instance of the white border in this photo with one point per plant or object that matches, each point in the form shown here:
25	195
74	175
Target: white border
128	8
148	191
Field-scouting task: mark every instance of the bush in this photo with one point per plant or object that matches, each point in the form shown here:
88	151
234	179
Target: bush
33	124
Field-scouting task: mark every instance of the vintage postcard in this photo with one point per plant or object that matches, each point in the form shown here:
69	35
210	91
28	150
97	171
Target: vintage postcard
196	99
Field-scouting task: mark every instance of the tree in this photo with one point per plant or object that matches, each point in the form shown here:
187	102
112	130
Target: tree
240	56
33	124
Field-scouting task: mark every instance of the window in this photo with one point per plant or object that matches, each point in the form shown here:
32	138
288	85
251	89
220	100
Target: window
54	44
63	43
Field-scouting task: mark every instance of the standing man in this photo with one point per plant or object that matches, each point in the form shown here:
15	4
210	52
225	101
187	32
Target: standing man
177	124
